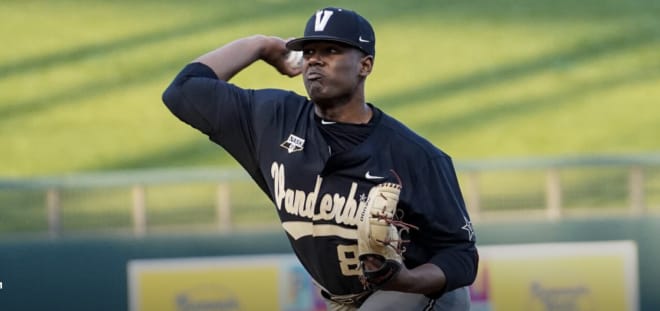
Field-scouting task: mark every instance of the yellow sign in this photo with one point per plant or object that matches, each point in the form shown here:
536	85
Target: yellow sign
530	277
565	276
220	284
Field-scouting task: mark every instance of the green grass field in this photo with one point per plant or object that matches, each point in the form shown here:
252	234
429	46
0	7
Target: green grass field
80	81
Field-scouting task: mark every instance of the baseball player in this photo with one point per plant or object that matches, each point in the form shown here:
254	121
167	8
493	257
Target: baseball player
372	210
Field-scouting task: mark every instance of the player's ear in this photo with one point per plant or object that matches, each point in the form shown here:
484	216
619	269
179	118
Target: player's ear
366	65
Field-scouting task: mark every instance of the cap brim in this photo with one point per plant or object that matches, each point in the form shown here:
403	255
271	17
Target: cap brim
297	44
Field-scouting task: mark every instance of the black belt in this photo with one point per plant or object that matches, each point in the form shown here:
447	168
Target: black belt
353	299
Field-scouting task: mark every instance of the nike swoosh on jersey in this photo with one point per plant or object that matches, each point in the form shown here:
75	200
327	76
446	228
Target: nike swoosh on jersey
369	176
324	122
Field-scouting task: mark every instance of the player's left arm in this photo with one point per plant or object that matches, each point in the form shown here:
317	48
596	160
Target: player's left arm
436	206
424	279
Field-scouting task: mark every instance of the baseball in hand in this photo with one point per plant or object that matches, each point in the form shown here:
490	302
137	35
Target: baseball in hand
295	59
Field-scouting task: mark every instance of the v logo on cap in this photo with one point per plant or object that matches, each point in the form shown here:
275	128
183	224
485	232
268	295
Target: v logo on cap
347	27
322	18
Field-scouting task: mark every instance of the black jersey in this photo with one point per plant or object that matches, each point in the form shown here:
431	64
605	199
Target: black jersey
318	193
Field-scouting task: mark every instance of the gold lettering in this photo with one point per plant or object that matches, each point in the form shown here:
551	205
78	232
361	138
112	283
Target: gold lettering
348	260
337	205
342	209
310	203
299	203
277	172
325	210
348	212
289	205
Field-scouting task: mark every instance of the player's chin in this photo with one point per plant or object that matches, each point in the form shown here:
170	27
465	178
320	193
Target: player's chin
317	92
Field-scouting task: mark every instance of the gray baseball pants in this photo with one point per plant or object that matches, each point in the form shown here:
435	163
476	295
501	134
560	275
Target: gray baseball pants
456	300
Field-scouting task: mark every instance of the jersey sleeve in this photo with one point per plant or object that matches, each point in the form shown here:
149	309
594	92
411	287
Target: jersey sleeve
446	236
226	113
200	99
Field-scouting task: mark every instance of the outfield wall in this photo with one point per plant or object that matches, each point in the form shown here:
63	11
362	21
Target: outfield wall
91	273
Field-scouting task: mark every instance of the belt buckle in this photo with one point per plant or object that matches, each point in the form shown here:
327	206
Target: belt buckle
344	300
354	299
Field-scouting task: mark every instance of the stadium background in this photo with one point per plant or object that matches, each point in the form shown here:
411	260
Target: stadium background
513	90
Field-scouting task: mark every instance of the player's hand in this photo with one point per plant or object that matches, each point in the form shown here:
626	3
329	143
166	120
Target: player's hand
394	283
423	279
276	54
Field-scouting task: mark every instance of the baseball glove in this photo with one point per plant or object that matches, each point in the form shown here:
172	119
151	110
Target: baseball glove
379	236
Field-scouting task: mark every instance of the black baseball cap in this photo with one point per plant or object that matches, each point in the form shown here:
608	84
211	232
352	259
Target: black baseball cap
340	25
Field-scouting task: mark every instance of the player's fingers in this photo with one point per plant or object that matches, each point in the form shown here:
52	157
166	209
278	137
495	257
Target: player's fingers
294	72
292	64
291	72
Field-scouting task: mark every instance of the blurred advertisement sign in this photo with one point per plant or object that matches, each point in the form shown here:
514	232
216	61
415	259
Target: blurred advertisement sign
531	277
221	284
557	277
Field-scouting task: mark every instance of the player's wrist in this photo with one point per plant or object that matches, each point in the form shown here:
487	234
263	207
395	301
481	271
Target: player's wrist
421	280
269	48
402	281
424	279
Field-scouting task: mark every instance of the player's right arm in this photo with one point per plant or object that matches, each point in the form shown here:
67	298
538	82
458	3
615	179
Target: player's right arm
229	59
200	94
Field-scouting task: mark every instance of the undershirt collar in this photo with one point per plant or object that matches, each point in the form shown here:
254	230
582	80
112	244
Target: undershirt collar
345	136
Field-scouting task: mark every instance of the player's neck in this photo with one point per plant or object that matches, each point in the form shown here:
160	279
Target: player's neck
345	109
355	113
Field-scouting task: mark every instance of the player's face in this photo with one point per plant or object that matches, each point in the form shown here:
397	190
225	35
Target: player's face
332	71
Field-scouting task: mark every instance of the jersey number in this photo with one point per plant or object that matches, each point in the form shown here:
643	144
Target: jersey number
348	259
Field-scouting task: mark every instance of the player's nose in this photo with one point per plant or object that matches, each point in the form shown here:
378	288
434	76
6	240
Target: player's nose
313	59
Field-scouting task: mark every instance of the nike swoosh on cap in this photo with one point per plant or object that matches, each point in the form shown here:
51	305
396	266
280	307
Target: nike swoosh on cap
362	40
